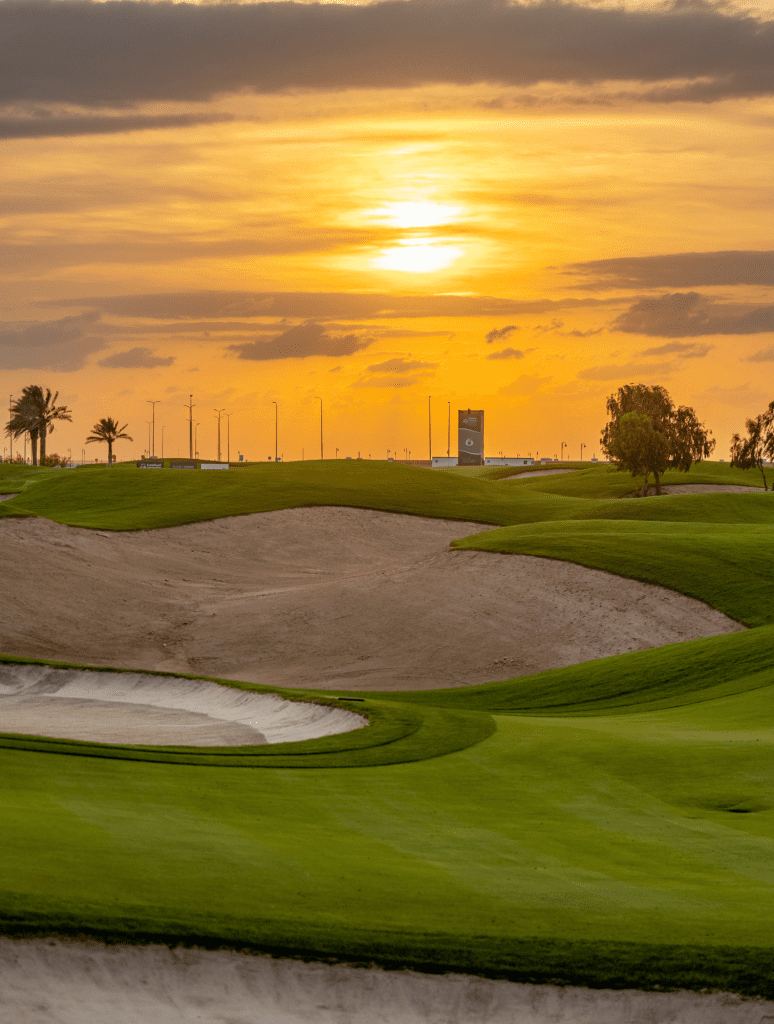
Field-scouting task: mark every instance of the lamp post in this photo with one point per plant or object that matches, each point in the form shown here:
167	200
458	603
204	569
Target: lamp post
582	447
564	445
219	412
10	436
196	440
149	435
337	453
153	404
429	429
162	442
321	427
276	427
190	407
448	435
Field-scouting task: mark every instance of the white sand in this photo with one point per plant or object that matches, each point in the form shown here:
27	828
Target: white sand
51	982
125	707
710	489
331	598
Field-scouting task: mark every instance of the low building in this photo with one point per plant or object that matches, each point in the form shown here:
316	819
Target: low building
443	461
509	461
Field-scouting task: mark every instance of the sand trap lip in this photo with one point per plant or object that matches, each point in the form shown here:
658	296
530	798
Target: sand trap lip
60	982
7	497
699	489
134	708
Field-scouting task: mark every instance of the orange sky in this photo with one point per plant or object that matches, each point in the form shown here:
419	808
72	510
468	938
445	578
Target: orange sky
386	210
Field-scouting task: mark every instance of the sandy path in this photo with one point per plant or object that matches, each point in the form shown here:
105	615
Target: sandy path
127	707
51	982
323	597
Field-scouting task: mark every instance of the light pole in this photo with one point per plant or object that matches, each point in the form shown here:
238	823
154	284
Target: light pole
337	453
228	437
429	429
10	436
276	427
219	412
196	440
582	447
190	407
448	435
153	405
149	435
321	427
162	442
564	445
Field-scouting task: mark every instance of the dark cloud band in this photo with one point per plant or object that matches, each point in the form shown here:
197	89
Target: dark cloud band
112	53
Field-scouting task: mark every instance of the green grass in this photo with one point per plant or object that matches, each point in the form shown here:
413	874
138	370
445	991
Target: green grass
614	830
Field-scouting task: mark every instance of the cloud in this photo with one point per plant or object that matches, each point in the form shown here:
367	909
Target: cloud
400	365
53	125
678	270
394	381
689	314
135	358
300	342
741	395
685	349
627	371
763	355
61	345
101	54
524	385
507	353
205	305
498	333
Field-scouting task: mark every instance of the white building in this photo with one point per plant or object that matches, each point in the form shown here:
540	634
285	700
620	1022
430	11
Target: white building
509	461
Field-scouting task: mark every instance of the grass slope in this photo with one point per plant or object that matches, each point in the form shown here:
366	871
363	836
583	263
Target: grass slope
614	830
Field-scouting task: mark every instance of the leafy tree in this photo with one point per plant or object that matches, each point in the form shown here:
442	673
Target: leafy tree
56	460
672	439
108	430
750	452
34	414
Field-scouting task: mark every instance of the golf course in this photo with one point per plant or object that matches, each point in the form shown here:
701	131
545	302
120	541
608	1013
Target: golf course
604	822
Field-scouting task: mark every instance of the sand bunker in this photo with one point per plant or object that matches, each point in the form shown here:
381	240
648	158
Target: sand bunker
710	489
333	598
51	982
123	707
531	474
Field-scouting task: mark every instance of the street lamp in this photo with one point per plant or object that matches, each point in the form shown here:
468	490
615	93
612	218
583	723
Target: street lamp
219	412
337	453
196	440
276	427
228	437
321	427
162	442
149	435
582	447
153	405
564	445
448	435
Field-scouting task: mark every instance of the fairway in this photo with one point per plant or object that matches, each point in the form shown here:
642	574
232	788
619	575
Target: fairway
603	821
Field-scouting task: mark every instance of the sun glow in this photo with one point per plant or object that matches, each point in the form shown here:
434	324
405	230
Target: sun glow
417	214
417	257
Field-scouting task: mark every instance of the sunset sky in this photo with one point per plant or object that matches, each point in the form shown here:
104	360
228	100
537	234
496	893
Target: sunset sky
512	207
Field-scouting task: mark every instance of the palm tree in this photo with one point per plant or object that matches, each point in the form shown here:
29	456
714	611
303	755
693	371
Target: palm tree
25	421
107	429
47	411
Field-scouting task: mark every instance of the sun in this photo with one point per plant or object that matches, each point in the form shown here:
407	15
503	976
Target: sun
418	214
417	257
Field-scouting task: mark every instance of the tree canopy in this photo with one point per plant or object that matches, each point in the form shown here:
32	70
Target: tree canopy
647	435
35	413
751	452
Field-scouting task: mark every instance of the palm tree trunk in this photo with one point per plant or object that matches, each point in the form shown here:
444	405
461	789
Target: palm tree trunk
42	436
34	446
110	453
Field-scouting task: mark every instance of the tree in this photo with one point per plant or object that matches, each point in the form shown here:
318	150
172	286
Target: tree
750	452
108	430
34	414
24	420
671	439
47	412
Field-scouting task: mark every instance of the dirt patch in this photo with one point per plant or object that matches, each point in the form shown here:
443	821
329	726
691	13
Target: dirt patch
332	598
46	981
7	497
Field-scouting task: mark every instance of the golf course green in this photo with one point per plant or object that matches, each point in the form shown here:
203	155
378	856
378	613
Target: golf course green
608	824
